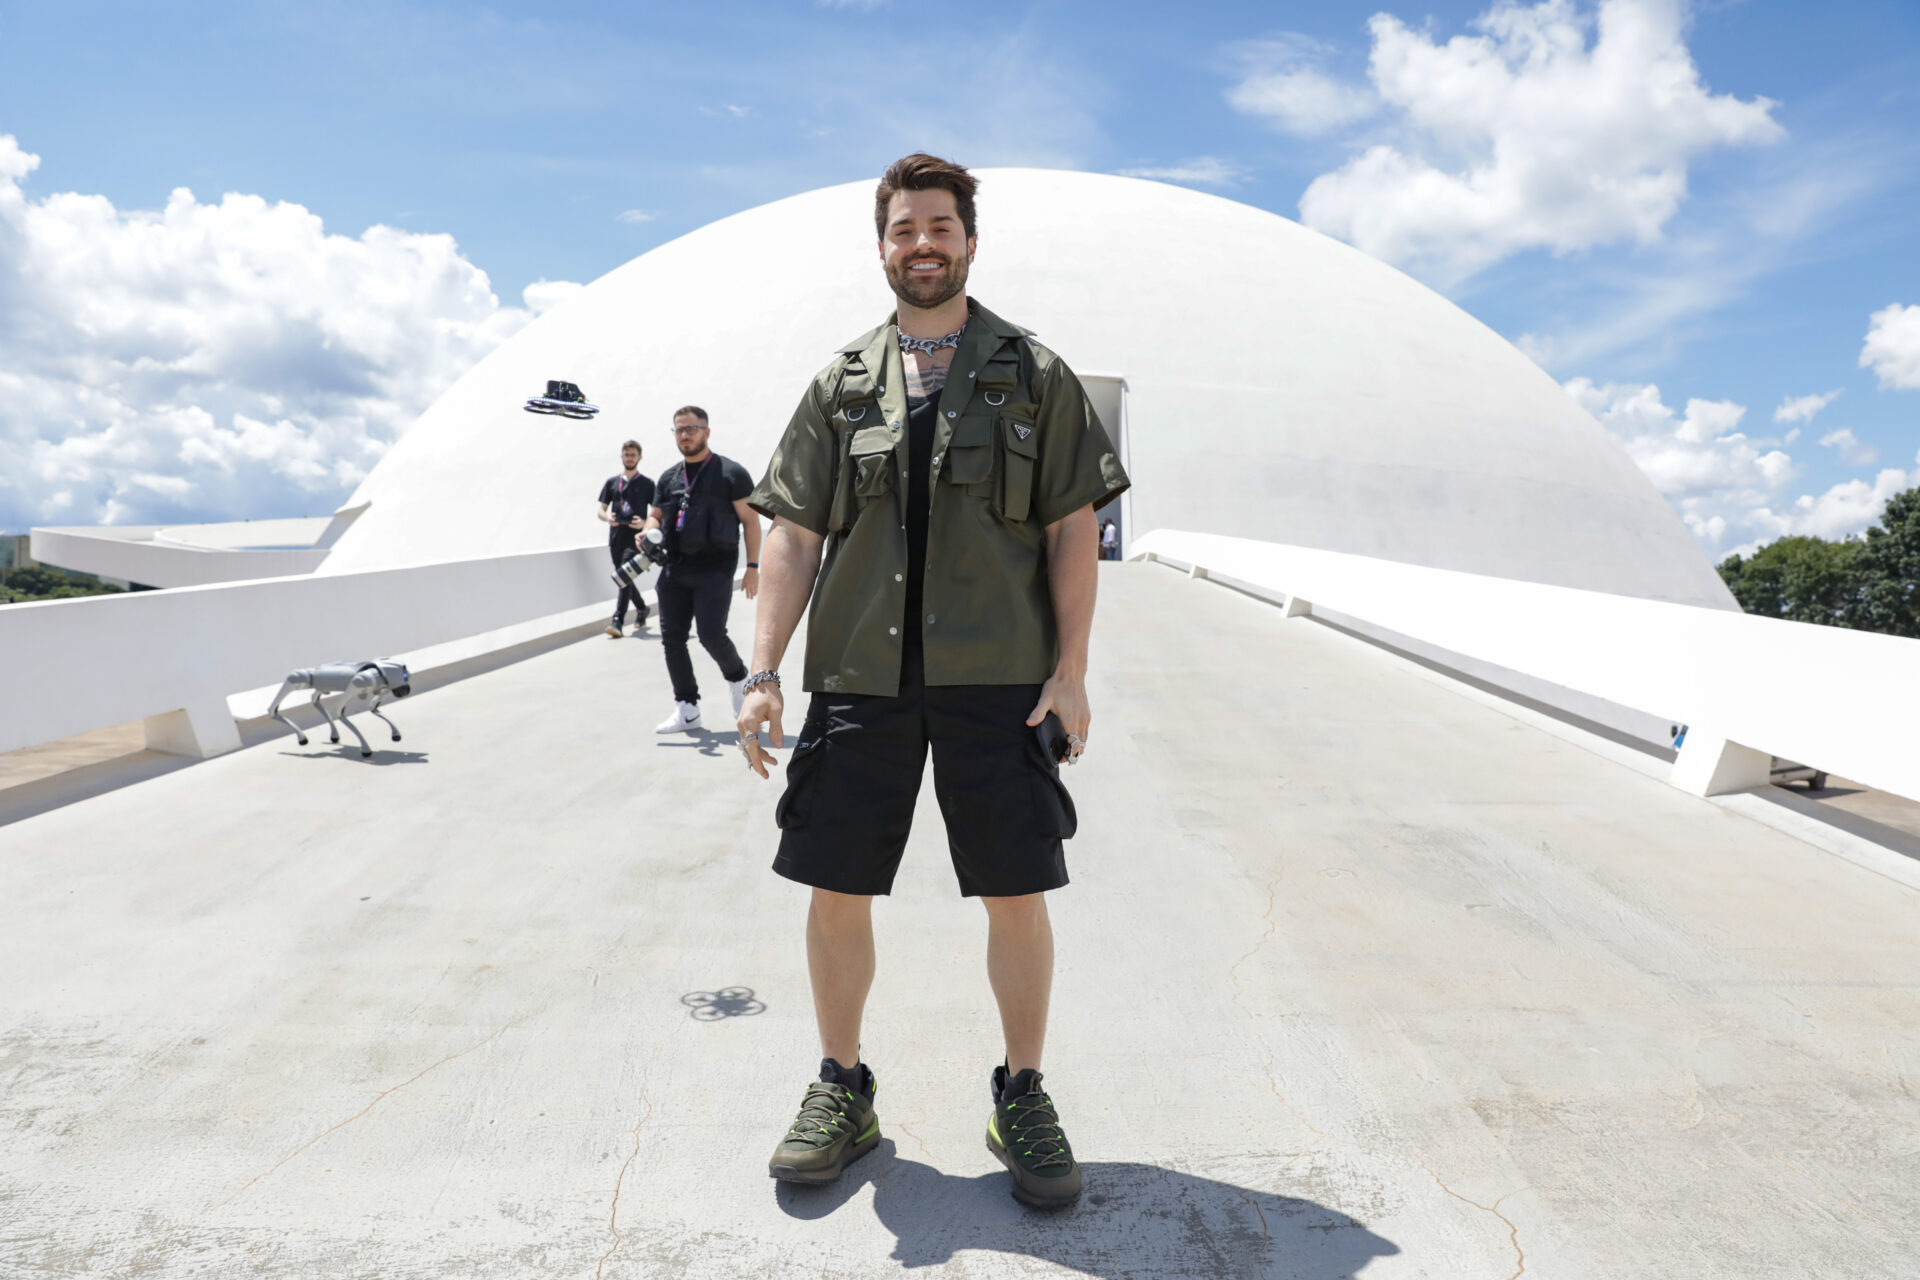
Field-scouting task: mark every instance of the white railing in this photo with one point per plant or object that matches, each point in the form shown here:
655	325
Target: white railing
1749	688
152	557
171	658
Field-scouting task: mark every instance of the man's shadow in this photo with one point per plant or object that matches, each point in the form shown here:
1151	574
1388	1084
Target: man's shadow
1135	1221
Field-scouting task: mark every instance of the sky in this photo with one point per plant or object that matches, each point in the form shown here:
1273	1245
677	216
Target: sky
242	247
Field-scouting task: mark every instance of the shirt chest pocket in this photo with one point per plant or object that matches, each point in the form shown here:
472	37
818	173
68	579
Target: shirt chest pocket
1019	444
866	474
969	459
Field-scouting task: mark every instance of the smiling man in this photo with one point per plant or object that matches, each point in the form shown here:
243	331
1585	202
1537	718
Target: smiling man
947	467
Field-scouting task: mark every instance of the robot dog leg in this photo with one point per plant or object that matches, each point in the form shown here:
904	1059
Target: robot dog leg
374	710
354	729
295	680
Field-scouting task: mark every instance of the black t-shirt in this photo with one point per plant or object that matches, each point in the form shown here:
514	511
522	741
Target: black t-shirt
625	499
703	533
921	417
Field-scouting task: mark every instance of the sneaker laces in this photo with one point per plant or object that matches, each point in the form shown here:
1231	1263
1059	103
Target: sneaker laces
823	1115
1042	1139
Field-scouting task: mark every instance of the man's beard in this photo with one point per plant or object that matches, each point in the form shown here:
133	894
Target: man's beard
688	448
927	291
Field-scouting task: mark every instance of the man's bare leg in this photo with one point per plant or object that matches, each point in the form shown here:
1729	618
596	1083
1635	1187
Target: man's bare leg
840	963
1020	967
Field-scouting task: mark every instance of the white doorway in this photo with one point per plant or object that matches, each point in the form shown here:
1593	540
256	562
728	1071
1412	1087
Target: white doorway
1108	394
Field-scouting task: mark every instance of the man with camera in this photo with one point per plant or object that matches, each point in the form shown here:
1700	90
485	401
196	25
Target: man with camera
700	507
948	467
624	500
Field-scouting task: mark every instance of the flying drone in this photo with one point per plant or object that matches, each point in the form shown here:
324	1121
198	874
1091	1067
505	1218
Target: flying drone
564	399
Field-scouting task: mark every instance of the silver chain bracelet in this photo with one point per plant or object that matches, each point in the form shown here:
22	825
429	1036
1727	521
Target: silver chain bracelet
759	678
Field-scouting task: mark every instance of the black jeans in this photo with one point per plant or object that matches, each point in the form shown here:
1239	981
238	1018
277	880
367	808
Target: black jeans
621	549
696	595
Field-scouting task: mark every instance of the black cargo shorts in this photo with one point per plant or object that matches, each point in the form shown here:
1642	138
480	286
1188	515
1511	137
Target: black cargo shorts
855	773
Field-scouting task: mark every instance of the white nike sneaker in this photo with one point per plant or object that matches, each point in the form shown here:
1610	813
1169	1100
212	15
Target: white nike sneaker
738	688
685	719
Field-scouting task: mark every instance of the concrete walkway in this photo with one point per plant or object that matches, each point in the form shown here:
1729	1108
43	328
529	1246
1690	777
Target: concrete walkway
1357	975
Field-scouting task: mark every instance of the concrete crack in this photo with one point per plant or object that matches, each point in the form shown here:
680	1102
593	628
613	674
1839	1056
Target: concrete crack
1320	1135
1239	998
901	1125
613	1213
1513	1229
378	1098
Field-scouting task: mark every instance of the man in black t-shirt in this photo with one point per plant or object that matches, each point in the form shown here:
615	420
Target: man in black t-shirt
700	507
624	502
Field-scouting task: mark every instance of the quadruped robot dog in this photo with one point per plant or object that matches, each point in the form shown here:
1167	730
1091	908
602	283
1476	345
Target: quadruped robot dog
359	685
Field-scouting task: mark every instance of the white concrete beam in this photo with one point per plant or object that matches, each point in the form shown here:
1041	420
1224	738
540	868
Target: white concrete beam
203	729
1709	765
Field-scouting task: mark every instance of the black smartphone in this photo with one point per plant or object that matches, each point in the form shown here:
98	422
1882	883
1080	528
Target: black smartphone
1053	738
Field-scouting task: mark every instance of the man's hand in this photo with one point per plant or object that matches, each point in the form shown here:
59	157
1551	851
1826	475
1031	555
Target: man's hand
1066	697
764	705
638	522
750	583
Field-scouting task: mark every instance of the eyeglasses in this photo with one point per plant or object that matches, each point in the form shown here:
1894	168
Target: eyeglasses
687	431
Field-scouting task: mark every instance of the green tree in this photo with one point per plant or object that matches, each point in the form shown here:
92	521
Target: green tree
1802	580
1890	557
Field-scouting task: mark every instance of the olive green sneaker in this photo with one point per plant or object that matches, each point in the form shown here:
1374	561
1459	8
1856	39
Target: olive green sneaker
1024	1132
835	1127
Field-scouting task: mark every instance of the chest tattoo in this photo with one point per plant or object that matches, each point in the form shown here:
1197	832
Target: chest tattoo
927	372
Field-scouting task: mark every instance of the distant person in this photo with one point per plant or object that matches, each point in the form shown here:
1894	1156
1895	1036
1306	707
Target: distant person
624	500
1109	540
700	507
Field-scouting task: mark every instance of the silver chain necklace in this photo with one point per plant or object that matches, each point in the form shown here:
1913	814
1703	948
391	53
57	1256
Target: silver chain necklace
931	345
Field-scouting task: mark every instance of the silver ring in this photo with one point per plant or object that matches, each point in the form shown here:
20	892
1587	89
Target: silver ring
851	416
988	396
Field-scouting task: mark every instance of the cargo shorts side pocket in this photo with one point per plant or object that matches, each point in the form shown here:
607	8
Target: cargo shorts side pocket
795	809
1053	811
1020	449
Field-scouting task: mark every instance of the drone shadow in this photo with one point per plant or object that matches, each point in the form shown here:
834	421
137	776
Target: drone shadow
1134	1222
707	742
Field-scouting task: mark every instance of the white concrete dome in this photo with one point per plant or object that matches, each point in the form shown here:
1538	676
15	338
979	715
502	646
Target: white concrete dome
1279	385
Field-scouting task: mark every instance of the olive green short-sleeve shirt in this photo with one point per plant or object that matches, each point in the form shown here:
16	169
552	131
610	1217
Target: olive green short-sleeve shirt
1017	447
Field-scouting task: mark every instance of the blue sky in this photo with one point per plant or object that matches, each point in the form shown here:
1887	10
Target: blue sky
1753	228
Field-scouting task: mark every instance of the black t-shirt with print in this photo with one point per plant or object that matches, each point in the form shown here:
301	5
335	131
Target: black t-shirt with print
708	537
626	499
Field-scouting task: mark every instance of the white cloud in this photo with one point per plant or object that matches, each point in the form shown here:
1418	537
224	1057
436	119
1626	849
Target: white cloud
220	360
1846	508
1892	348
1850	448
1529	136
1726	486
634	217
1283	84
543	295
1803	408
1201	171
729	110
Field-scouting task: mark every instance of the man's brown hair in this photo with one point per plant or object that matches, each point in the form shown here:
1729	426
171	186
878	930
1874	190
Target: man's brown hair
635	446
922	172
691	411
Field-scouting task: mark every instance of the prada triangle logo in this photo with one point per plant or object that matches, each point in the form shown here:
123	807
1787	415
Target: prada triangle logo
1022	430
